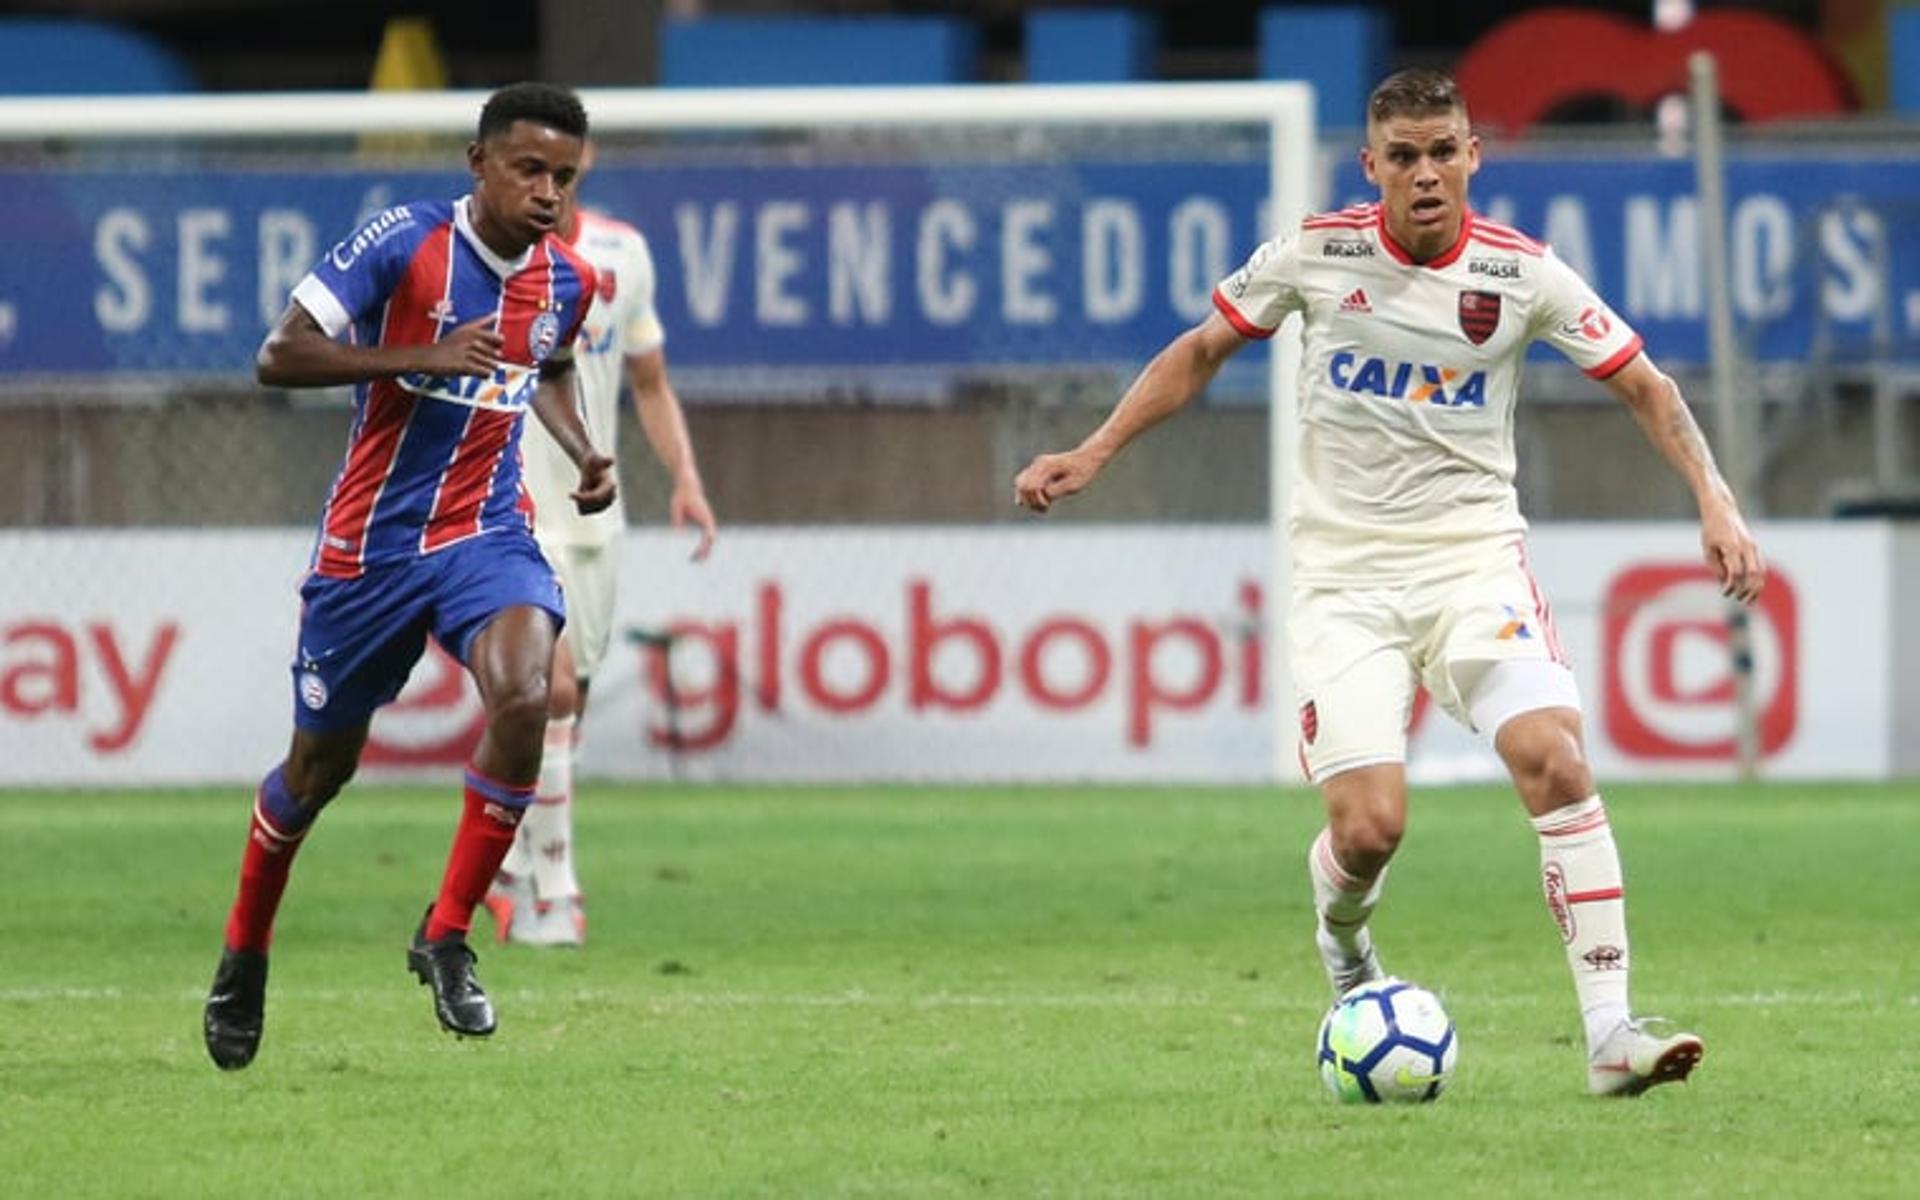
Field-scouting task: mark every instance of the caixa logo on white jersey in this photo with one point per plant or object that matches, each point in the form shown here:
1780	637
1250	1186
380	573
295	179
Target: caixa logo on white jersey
1416	383
508	389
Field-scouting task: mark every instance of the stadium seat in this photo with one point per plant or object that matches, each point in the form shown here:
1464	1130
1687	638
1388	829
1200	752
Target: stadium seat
822	51
49	57
1091	45
1343	50
1903	51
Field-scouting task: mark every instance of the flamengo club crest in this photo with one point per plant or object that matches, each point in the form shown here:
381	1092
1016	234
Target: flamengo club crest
1479	315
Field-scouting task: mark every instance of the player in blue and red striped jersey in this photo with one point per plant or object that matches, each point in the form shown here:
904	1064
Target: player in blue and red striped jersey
452	319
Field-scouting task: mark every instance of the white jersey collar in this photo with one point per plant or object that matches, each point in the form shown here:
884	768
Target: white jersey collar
502	267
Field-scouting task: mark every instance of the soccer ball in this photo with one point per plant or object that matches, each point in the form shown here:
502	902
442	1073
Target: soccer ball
1387	1040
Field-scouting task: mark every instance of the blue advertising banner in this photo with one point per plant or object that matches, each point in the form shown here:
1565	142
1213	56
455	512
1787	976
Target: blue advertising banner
1823	252
955	265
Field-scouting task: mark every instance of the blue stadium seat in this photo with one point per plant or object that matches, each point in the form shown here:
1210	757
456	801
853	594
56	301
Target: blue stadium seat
1903	55
1341	49
824	51
1091	45
52	57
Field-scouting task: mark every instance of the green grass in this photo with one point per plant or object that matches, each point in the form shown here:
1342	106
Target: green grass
939	992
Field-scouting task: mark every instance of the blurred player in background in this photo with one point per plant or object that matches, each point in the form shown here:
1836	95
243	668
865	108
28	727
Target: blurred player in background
451	318
1410	564
536	897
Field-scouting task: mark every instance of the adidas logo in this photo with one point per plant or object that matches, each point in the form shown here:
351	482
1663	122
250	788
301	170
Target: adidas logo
1356	301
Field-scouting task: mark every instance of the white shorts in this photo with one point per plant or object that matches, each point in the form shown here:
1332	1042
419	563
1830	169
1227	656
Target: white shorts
588	576
1482	643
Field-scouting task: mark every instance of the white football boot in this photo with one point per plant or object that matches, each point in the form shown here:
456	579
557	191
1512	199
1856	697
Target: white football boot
1642	1053
560	922
510	902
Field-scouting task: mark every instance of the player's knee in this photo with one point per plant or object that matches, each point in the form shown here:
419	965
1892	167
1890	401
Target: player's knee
1566	777
1365	840
520	709
563	697
314	779
1545	755
1556	774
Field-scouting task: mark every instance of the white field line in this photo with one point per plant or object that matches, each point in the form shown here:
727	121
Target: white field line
1119	999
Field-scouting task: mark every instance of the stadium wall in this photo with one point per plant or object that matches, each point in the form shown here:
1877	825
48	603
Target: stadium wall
128	361
1904	649
1124	653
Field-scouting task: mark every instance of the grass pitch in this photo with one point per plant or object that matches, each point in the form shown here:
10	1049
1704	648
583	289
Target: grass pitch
925	992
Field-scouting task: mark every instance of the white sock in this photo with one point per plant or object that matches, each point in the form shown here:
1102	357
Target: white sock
1580	874
518	864
547	828
1343	901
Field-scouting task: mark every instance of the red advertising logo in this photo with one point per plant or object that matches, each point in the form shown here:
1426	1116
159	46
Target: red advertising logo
100	674
706	675
1670	682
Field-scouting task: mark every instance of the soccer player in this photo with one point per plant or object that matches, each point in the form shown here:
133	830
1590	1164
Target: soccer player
535	899
1410	565
452	318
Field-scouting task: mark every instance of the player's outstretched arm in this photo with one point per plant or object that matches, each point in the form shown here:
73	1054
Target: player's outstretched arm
1656	403
557	407
665	425
298	353
1166	385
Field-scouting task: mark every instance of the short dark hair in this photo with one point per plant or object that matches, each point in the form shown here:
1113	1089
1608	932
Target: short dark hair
1415	92
546	104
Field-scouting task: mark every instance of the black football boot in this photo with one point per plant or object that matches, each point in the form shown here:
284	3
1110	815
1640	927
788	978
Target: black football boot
236	1008
446	965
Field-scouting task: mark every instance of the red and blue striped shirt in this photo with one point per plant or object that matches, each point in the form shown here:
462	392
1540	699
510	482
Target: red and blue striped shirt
435	460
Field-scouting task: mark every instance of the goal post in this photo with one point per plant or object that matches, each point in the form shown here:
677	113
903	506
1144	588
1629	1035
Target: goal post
844	345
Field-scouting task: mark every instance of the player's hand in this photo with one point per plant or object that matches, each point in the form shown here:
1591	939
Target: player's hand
596	490
1732	553
471	349
1053	477
689	504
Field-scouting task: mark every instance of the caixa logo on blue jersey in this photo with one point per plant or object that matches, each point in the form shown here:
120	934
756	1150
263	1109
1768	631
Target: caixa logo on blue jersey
1417	383
508	389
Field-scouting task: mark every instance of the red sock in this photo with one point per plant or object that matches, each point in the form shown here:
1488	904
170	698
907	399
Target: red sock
480	844
263	876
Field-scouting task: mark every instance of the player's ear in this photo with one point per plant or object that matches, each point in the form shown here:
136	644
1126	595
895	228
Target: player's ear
476	157
1473	153
1366	163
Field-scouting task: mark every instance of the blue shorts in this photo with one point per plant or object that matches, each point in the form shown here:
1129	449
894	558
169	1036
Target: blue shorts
359	638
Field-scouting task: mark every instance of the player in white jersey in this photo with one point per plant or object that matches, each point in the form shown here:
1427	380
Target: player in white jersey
1409	553
536	897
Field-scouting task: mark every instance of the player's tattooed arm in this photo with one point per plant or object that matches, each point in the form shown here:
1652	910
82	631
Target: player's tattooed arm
1655	402
299	353
1662	412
